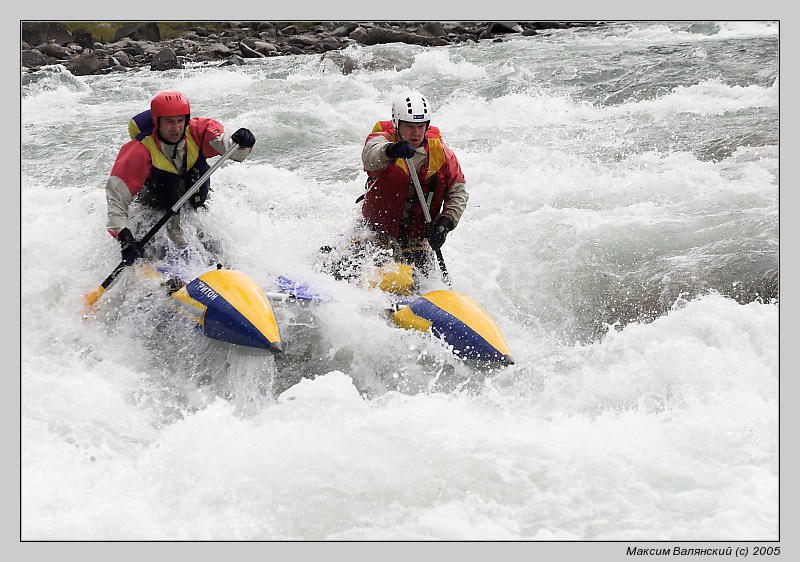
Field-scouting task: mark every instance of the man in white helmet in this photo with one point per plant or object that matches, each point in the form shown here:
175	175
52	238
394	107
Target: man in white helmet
391	206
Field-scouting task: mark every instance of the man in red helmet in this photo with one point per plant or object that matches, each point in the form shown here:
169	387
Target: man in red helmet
166	155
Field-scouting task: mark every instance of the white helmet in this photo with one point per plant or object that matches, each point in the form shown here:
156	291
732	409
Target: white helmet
411	107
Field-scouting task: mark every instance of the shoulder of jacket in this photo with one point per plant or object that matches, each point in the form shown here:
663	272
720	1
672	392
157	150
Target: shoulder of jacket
433	131
134	146
205	125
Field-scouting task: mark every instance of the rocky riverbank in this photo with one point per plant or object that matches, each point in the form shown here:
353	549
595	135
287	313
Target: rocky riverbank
141	46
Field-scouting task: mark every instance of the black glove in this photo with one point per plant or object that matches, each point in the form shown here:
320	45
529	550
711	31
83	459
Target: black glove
401	149
438	231
244	138
130	248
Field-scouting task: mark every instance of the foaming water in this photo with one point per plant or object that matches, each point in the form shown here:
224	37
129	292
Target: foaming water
622	230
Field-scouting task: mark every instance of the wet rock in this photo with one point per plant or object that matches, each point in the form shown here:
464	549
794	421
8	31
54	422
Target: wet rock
121	58
143	32
165	59
505	27
85	65
249	52
83	38
379	36
32	58
54	50
37	33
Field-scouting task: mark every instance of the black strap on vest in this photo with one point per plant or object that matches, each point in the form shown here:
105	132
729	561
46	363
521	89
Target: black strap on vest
189	177
432	187
367	186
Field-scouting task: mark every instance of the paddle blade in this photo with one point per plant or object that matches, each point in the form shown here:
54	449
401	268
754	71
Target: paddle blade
91	298
297	290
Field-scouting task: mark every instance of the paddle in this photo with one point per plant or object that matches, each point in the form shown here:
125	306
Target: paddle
296	290
92	297
413	171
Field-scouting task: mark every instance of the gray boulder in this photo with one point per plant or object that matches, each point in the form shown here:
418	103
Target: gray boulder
249	52
32	58
38	32
219	50
265	47
143	32
83	38
85	65
122	58
165	59
505	27
54	50
379	35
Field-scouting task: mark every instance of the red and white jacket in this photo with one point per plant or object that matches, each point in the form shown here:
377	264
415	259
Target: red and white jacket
145	157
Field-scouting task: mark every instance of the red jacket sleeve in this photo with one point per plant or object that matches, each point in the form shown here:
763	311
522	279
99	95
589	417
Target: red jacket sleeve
132	165
454	167
204	129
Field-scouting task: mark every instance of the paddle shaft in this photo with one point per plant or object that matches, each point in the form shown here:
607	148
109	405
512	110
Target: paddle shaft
172	211
418	187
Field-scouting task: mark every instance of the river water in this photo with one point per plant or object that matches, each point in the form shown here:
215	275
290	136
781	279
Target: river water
622	230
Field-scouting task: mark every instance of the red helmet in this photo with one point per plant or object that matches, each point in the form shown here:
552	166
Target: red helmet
168	104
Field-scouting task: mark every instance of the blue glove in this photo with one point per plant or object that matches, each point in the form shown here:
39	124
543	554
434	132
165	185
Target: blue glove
130	248
244	138
401	149
438	232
